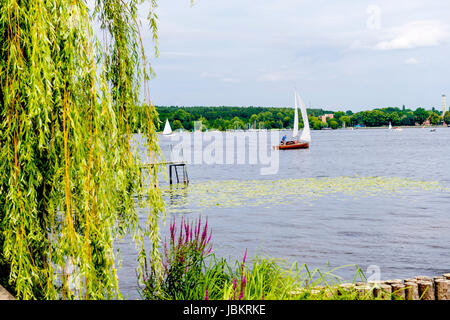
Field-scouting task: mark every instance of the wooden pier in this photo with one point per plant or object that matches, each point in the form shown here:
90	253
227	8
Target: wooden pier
173	165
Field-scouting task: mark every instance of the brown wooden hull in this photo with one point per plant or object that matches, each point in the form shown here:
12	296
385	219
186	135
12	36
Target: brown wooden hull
296	145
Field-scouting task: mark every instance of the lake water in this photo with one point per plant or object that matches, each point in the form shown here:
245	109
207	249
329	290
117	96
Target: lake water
355	197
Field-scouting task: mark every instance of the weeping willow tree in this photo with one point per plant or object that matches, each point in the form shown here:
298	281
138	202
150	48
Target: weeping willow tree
68	167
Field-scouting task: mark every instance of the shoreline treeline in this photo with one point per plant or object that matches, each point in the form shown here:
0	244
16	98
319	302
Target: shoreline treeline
224	118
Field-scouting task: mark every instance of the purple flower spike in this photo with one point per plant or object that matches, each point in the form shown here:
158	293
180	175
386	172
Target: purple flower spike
205	231
206	295
172	232
245	256
186	231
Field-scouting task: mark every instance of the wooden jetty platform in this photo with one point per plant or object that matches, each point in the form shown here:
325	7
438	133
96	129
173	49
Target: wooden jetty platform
173	166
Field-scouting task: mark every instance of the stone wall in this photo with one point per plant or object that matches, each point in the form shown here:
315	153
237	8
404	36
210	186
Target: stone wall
5	295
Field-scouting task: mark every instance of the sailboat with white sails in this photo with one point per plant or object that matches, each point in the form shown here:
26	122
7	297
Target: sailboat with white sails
305	137
167	129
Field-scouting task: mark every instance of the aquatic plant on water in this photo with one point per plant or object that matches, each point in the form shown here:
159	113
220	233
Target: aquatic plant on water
253	193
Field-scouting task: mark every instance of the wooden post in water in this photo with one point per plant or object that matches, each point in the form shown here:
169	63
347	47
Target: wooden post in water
426	290
446	276
383	291
424	278
411	290
364	291
442	289
398	290
345	288
176	172
187	177
392	281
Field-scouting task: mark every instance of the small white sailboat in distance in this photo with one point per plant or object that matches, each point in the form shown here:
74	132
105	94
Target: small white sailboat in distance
390	126
167	129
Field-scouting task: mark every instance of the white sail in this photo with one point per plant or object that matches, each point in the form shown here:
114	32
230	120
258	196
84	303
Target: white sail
167	128
306	132
295	131
390	125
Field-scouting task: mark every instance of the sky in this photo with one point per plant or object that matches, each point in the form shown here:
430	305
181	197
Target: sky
340	55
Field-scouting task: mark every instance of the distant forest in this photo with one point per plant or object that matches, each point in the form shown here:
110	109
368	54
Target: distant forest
223	118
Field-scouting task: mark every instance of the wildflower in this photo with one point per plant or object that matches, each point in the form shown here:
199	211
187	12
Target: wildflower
234	288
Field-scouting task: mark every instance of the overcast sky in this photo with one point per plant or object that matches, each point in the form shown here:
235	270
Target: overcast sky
340	55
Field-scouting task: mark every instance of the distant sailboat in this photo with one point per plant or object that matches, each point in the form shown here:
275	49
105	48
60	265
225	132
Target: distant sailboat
395	129
305	137
167	129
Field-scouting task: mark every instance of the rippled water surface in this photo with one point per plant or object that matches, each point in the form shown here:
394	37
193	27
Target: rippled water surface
364	197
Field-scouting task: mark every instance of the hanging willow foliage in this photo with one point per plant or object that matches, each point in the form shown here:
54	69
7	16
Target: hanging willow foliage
68	169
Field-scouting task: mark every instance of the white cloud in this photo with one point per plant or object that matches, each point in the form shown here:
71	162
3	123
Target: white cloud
415	34
231	80
219	76
210	75
411	61
276	76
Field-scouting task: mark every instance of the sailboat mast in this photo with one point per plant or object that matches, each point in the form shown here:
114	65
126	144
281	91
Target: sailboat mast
295	128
